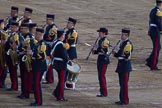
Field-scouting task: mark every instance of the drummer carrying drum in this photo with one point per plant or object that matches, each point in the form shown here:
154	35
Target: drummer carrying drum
60	60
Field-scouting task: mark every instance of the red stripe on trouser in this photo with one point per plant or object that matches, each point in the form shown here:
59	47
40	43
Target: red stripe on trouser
50	74
61	84
30	79
1	71
126	78
38	88
13	77
103	80
26	82
155	50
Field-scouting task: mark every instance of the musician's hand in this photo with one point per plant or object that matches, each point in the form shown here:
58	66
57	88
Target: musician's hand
49	38
70	62
14	46
29	52
94	51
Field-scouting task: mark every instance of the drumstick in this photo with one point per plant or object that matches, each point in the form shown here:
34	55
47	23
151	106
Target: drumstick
87	44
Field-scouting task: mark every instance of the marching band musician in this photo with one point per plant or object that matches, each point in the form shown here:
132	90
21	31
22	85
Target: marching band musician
155	30
124	65
32	30
39	66
70	41
26	46
60	60
3	64
12	18
26	18
102	61
49	36
11	54
71	38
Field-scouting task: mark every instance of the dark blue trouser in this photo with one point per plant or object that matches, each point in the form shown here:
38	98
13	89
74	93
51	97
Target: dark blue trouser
49	74
152	60
123	82
37	76
59	91
101	77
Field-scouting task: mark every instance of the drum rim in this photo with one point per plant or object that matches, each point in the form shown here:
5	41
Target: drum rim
75	71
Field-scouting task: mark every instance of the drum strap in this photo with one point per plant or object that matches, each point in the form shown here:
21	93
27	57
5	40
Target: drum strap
57	42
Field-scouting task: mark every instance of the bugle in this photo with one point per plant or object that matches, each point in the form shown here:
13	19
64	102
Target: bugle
92	49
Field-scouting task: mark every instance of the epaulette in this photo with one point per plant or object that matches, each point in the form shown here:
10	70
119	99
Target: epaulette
43	47
66	46
105	43
159	13
128	47
74	34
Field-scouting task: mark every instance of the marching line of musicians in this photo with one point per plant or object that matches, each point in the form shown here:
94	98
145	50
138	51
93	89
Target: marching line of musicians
39	49
24	44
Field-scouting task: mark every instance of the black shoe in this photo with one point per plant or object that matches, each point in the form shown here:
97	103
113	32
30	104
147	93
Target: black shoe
54	94
35	104
148	65
119	103
23	97
156	69
63	99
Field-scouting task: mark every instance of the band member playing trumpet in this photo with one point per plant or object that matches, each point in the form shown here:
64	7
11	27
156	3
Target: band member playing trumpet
25	47
102	61
60	60
12	18
11	54
3	64
39	66
49	36
70	41
124	65
26	18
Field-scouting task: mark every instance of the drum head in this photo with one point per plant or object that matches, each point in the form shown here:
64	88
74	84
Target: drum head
75	68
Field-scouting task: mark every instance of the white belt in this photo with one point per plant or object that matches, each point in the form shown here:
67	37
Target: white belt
73	45
120	58
59	59
49	43
153	25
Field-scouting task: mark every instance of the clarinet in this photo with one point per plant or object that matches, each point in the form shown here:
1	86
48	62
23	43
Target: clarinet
92	49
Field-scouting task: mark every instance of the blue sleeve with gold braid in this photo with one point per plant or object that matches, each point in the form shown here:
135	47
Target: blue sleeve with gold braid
103	46
72	37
